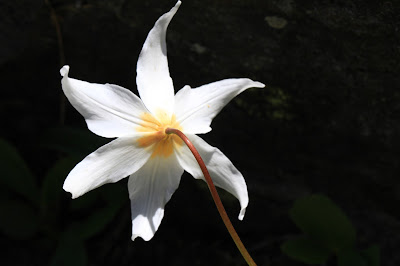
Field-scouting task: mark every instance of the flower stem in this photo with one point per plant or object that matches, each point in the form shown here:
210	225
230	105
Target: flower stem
61	55
214	195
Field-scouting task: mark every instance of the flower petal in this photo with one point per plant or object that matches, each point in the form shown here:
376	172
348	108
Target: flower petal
150	189
195	108
153	80
108	164
223	173
109	110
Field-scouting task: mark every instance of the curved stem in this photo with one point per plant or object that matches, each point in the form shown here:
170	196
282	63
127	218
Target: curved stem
61	54
214	195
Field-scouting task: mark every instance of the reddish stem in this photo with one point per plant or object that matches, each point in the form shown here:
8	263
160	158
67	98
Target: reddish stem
214	195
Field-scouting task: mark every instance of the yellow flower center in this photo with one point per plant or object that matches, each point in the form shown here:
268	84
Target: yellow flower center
154	129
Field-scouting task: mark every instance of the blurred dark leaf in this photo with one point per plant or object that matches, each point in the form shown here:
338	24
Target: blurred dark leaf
70	251
72	140
372	255
85	201
350	258
16	175
95	222
305	250
19	220
112	197
53	182
115	194
323	221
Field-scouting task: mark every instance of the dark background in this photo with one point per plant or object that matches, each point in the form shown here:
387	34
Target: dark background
327	122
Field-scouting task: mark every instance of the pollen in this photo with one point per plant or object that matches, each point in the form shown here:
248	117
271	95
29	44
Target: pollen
154	127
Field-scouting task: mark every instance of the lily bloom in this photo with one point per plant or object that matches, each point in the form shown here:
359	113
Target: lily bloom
153	160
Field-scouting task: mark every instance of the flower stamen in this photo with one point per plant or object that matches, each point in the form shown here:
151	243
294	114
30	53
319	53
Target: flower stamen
156	137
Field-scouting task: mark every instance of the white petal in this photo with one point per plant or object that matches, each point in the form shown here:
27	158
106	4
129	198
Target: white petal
153	80
223	173
108	164
110	110
195	108
150	189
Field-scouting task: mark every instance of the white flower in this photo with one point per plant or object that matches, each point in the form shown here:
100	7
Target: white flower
153	160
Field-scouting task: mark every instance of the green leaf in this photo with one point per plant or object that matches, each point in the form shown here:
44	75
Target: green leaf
372	255
350	258
73	141
16	175
86	201
305	250
95	222
52	190
114	196
19	220
70	251
323	221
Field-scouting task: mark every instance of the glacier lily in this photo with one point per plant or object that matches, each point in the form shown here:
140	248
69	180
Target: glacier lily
142	150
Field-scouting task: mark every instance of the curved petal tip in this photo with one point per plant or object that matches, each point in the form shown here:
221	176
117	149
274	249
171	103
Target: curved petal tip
257	84
69	188
64	70
241	214
144	237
